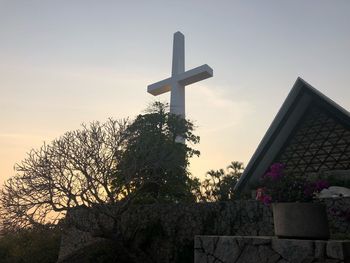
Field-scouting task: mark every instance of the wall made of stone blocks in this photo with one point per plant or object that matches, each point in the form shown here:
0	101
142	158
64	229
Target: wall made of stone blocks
240	249
165	232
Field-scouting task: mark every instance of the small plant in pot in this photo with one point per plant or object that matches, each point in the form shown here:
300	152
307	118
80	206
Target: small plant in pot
294	212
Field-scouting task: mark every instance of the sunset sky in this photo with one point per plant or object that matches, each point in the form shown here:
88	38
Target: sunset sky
63	63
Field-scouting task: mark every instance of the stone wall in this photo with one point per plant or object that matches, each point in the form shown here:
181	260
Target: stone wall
165	232
239	249
338	212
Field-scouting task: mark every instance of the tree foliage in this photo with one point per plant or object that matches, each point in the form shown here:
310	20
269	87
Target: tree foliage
30	246
153	162
219	185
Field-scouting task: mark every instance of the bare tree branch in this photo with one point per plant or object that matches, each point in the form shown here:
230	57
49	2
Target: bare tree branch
74	170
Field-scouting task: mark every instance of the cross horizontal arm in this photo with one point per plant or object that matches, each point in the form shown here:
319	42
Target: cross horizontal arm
159	87
186	78
194	75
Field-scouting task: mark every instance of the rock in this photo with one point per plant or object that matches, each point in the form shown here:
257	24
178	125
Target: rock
250	254
293	250
266	254
335	250
227	255
320	249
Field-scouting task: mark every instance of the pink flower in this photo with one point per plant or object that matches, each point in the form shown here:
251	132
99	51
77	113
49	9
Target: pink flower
277	167
315	187
320	185
262	196
266	199
259	193
276	171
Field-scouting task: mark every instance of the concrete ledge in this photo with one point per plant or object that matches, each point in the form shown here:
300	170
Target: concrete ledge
252	249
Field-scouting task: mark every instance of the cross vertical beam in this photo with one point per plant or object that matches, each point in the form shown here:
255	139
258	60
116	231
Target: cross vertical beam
177	95
178	54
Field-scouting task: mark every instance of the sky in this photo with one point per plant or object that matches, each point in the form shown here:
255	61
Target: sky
64	63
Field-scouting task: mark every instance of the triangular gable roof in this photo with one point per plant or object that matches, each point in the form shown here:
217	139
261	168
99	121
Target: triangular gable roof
290	115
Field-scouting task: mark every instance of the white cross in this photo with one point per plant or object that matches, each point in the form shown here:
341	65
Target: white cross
179	77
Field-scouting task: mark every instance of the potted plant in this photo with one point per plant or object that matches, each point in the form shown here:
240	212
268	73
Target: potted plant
294	212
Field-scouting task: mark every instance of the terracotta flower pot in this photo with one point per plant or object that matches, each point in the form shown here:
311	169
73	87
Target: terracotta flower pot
300	220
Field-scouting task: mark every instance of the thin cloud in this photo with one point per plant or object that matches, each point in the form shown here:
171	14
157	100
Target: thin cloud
221	108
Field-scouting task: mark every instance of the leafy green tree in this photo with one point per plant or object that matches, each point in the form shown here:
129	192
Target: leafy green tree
154	165
219	185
